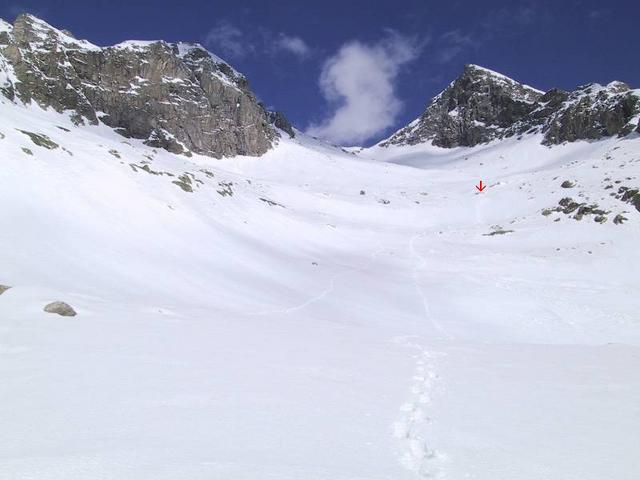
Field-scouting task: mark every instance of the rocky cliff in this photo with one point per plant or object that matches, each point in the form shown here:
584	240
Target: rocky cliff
590	112
482	105
174	96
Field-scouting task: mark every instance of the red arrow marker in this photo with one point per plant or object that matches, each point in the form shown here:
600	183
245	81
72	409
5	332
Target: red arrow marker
481	187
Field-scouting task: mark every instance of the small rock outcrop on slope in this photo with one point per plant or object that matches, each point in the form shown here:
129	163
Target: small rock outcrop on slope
279	120
60	308
482	105
176	96
4	288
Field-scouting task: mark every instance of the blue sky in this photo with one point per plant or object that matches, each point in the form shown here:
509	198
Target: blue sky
354	71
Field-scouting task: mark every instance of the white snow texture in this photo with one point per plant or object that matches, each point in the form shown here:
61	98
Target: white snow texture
298	329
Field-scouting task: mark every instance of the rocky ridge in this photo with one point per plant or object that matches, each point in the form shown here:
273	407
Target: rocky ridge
482	105
176	96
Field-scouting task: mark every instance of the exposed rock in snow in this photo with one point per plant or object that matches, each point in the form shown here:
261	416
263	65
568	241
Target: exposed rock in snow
3	288
589	113
60	308
475	108
176	96
482	105
280	121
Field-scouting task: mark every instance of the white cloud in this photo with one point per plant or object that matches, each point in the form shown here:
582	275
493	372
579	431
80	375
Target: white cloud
229	40
292	44
451	44
359	81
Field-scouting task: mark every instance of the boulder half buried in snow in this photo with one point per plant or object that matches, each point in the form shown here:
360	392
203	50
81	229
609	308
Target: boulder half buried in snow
60	308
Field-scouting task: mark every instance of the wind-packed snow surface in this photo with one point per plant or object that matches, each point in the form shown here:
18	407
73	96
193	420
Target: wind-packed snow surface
277	323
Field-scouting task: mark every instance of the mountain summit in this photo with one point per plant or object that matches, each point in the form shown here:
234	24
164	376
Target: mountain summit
176	96
482	105
474	108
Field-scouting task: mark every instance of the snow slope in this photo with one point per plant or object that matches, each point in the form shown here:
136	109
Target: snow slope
277	323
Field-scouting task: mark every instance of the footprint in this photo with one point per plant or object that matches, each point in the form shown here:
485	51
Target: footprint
418	457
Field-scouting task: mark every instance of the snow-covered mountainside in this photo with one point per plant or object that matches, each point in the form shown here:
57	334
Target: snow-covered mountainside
482	105
315	314
175	96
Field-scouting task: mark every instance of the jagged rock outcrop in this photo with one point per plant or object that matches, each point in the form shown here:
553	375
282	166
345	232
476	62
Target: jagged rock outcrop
475	108
175	96
592	112
482	105
279	120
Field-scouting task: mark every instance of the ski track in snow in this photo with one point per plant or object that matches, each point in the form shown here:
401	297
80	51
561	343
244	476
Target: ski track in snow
422	261
326	291
418	456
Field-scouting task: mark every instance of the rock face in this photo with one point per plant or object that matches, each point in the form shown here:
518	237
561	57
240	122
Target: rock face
591	112
279	120
475	108
482	105
61	309
174	96
4	288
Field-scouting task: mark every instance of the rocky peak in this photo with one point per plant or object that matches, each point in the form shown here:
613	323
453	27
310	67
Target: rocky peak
474	108
481	80
482	105
175	96
32	32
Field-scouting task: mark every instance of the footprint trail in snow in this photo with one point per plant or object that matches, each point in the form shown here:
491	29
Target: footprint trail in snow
419	456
